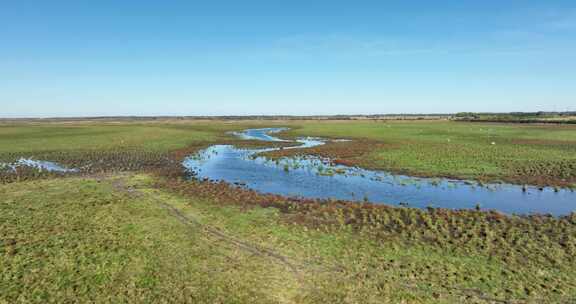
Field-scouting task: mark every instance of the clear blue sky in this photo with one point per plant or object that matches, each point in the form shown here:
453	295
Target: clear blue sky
71	58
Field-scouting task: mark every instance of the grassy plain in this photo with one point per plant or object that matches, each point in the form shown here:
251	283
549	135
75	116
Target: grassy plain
150	136
120	238
531	154
133	231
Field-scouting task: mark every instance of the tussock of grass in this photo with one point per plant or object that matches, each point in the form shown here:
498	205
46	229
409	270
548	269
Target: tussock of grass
92	240
446	251
79	240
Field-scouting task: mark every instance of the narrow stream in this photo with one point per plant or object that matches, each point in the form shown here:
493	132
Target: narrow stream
313	177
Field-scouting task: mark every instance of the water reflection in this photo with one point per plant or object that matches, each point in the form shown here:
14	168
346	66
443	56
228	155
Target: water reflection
313	177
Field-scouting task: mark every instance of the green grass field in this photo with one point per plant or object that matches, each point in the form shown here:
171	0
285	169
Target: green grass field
133	232
156	136
532	154
119	239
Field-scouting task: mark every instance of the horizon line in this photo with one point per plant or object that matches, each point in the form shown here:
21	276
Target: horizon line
268	115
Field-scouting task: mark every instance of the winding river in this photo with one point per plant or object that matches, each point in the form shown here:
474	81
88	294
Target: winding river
313	177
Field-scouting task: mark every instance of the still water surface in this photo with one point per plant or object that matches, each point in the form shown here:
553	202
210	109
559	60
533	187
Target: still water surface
39	165
313	177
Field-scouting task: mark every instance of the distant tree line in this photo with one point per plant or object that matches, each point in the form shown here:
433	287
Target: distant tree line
245	117
568	117
514	117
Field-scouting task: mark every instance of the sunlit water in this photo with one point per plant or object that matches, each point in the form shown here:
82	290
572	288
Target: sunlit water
39	165
313	177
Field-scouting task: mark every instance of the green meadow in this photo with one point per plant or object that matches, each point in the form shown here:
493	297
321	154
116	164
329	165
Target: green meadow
531	154
137	232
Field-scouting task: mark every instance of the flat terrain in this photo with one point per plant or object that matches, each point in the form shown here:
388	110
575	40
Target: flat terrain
525	154
120	238
132	230
86	136
530	154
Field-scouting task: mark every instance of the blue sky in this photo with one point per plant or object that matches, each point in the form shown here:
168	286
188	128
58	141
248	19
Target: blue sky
75	58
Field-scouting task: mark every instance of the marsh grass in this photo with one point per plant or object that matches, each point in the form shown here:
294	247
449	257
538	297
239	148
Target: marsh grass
529	154
84	239
80	240
525	256
523	154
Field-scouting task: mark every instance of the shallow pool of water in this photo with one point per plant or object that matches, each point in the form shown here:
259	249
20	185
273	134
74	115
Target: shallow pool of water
39	165
313	177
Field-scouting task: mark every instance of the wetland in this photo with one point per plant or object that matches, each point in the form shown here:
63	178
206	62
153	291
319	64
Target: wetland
320	178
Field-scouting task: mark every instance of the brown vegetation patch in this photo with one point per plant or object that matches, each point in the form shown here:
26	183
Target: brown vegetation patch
544	142
552	173
512	239
349	153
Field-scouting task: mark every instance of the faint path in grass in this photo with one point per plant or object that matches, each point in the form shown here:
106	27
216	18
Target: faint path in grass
303	271
296	267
